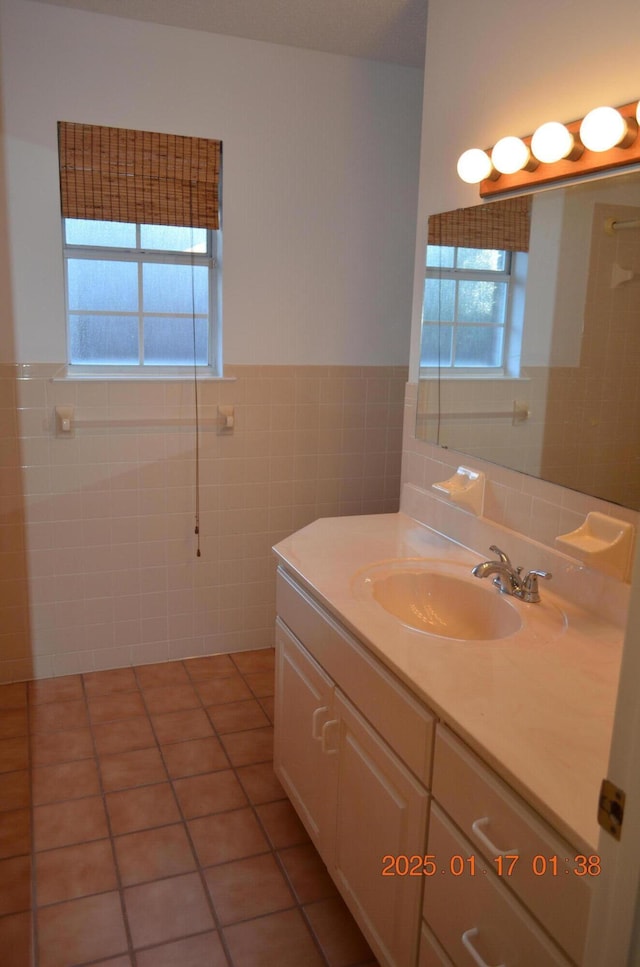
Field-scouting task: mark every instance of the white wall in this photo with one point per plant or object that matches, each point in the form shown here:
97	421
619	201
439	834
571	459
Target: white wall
320	176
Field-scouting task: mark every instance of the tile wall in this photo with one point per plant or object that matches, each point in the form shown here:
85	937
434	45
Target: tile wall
98	565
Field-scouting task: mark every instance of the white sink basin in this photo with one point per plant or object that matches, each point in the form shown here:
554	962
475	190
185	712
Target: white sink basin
440	603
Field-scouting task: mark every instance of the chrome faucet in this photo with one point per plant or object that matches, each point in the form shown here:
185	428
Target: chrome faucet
509	580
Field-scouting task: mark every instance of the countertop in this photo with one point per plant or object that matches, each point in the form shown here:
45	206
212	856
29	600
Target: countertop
537	706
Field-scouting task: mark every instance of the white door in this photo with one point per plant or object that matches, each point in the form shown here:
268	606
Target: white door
611	940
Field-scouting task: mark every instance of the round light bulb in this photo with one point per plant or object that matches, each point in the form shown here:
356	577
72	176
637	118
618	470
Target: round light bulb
602	129
510	155
638	113
474	166
552	142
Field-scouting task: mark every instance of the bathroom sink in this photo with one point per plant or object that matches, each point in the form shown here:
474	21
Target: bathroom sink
438	602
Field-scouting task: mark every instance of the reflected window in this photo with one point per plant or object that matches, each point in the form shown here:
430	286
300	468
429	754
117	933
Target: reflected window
466	310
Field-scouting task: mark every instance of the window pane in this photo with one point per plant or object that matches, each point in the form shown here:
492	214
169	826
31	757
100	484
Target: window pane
436	348
168	238
479	346
169	342
482	301
175	288
440	256
103	340
83	231
482	258
439	300
102	284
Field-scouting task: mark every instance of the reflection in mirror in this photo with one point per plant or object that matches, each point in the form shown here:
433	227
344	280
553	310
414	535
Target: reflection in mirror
531	336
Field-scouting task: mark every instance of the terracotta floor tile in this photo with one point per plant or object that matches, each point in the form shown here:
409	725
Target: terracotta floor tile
111	680
16	940
248	888
124	961
13	722
15	832
13	695
260	782
177	726
205	950
213	792
64	689
128	769
79	931
75	871
237	716
153	854
14	790
268	704
307	873
171	698
61	747
58	716
166	673
212	666
258	660
142	808
167	909
261	684
245	748
14	754
125	735
219	691
117	705
227	836
195	756
65	823
15	885
68	780
337	933
282	824
280	938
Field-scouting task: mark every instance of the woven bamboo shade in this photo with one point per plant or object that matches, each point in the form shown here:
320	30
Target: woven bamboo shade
121	175
498	225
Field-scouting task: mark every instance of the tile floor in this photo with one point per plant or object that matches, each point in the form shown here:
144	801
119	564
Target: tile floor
141	825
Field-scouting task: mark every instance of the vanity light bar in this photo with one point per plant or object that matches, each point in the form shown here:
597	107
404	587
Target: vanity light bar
605	138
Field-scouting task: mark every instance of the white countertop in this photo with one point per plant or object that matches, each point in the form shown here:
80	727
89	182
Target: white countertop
537	706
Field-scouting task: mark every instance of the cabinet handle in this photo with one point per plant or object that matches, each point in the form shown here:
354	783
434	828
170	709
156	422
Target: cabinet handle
467	936
314	722
484	839
325	728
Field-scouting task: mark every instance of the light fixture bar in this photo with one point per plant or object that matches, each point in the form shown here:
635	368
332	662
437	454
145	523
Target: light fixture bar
589	162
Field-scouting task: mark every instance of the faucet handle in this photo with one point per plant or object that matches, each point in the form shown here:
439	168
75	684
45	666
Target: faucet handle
501	555
530	585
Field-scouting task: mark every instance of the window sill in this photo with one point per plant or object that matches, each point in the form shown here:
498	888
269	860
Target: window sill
185	375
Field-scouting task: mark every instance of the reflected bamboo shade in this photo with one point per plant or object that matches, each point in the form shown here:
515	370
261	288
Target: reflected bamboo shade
498	225
122	175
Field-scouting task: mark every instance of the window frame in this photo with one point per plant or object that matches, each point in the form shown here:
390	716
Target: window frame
443	273
139	256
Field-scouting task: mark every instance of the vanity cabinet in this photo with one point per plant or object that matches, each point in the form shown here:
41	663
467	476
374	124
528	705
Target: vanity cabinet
370	772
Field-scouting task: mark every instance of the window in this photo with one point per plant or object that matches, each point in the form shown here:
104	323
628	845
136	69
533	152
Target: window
465	312
141	237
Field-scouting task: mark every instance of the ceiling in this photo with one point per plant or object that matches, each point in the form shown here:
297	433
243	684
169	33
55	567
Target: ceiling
384	30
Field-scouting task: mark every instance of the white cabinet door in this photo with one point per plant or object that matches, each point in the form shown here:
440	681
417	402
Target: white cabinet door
304	702
381	812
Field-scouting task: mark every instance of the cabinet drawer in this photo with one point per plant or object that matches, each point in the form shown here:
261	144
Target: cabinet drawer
407	725
475	917
431	953
496	820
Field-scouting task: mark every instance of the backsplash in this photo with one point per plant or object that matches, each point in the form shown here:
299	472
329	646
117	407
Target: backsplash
99	565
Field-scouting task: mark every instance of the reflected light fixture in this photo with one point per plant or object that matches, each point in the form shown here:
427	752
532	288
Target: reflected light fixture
605	138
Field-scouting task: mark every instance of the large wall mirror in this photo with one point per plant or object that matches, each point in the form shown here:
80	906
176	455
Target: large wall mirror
531	336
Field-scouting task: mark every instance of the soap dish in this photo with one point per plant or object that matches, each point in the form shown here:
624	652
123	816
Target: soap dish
602	542
465	488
